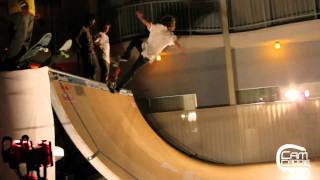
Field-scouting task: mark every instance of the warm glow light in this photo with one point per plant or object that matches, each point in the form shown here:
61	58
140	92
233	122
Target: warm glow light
277	45
192	116
306	93
158	58
34	66
292	95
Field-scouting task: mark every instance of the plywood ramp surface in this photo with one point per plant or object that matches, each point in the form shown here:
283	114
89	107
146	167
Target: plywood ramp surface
110	129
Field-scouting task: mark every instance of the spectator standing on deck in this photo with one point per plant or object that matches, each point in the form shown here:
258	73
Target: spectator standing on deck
21	16
102	41
84	40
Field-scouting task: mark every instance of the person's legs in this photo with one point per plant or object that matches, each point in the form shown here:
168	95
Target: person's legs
21	35
87	67
134	43
96	67
129	74
112	76
18	35
29	19
103	64
107	70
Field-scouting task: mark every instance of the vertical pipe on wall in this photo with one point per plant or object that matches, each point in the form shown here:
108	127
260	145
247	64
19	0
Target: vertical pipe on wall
189	18
228	55
151	9
119	24
315	9
92	6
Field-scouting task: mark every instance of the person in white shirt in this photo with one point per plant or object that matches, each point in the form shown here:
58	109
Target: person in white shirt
161	35
102	41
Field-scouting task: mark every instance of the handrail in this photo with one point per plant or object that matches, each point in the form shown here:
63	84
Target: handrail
203	16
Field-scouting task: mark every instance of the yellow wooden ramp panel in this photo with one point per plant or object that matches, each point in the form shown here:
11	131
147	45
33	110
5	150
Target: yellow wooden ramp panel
110	130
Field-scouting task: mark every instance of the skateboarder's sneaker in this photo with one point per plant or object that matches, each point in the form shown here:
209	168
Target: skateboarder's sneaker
124	58
112	87
125	92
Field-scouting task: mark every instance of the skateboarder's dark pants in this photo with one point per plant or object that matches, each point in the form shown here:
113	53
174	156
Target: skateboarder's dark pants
135	43
128	75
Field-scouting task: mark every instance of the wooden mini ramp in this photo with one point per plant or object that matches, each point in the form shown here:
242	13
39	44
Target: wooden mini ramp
111	133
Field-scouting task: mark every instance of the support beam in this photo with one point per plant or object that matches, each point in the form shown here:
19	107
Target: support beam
228	53
92	6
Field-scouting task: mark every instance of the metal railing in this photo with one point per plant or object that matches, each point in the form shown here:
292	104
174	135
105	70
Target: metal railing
247	15
192	17
203	16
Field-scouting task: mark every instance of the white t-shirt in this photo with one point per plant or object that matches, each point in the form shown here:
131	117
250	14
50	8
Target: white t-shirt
103	42
159	38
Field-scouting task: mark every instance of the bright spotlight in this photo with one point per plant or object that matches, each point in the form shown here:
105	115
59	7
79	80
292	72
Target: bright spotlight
277	45
192	116
158	58
293	95
306	93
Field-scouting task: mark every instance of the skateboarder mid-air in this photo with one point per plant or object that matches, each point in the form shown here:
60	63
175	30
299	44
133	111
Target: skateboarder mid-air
161	35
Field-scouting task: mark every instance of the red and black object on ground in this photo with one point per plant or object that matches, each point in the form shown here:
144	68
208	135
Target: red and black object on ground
16	152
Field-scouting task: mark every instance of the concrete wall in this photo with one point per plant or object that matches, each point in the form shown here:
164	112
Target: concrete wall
201	73
264	66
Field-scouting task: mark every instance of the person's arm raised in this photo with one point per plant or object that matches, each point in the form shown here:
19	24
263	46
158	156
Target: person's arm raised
145	22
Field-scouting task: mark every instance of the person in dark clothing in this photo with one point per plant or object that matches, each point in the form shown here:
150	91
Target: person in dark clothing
21	28
88	54
20	20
